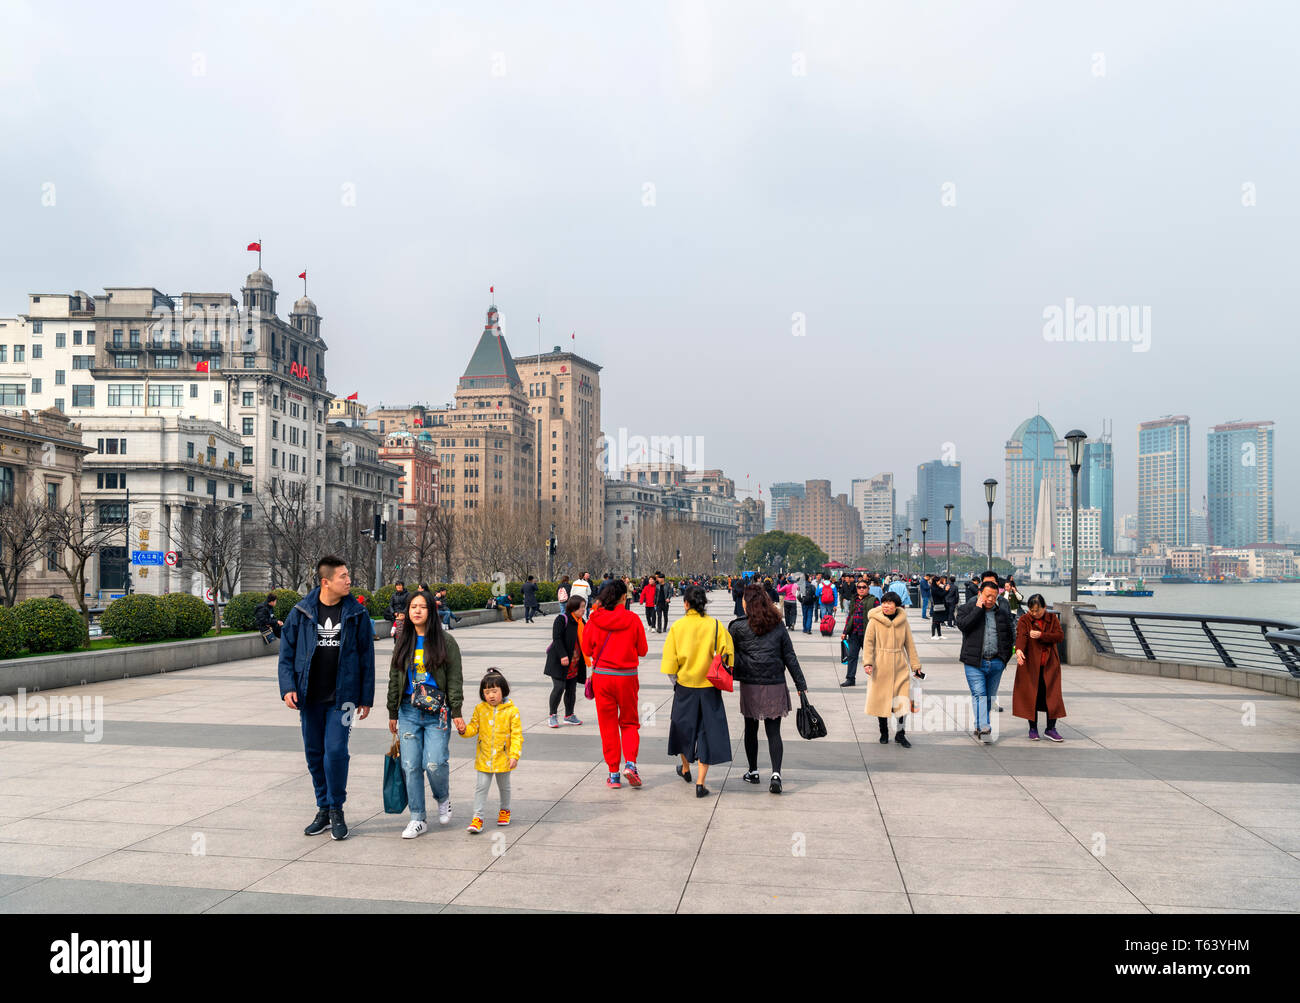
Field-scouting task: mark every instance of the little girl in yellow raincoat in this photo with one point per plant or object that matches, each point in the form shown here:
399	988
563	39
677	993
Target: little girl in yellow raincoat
500	740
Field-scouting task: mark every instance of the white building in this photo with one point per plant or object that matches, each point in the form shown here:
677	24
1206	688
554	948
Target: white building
1090	551
158	472
874	498
358	483
629	507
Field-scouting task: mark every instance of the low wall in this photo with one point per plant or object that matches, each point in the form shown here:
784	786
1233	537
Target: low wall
1081	652
47	672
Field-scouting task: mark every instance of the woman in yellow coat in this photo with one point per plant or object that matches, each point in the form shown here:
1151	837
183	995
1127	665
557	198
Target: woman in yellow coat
697	730
889	658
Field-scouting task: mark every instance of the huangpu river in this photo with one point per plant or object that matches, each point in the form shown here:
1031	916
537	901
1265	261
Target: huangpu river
1259	600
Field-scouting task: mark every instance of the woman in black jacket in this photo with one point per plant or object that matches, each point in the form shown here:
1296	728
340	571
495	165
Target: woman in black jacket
764	653
565	662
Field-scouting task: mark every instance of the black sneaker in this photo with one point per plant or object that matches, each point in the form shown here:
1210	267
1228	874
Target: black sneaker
901	739
751	777
884	738
847	682
319	824
338	827
775	785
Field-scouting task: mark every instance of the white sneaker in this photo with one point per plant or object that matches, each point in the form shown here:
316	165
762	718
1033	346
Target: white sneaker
414	828
444	812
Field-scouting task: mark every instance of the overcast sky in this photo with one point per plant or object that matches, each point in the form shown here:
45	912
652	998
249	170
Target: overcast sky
798	154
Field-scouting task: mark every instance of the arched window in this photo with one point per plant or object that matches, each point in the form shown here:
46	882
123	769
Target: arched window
6	485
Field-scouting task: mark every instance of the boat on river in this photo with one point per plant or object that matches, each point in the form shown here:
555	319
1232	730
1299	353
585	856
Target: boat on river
1115	585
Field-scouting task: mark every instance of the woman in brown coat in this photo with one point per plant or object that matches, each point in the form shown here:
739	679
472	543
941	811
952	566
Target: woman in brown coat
889	658
1038	668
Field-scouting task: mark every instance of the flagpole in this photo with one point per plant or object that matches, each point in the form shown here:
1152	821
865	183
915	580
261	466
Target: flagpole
259	254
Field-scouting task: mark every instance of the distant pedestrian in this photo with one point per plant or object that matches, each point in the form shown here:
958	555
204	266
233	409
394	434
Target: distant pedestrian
327	673
663	597
808	601
562	590
855	628
764	654
789	593
938	606
264	616
697	731
925	596
648	589
565	663
531	606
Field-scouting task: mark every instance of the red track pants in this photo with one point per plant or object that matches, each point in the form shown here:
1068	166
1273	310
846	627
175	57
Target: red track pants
619	718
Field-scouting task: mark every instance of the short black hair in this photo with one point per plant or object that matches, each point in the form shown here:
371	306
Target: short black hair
329	563
530	578
493	679
270	597
399	585
990	584
988	573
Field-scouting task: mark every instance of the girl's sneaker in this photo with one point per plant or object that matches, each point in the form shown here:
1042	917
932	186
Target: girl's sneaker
751	777
415	827
553	721
475	825
503	816
1054	735
444	812
633	777
613	781
572	719
1033	733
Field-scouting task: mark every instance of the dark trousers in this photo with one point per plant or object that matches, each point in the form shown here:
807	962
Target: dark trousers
530	612
884	724
325	730
775	746
855	655
661	618
651	618
809	612
1042	705
790	610
936	623
568	688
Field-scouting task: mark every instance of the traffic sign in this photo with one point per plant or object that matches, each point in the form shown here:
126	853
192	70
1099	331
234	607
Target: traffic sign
173	558
147	557
207	595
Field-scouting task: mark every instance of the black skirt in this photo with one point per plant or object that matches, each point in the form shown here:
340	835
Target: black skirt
698	728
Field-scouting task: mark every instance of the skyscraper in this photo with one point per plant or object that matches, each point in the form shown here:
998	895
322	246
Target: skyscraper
1097	486
1032	453
1164	513
873	497
1239	480
938	484
782	492
830	522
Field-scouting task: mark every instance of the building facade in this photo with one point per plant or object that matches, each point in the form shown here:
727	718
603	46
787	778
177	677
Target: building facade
1033	453
1164	511
938	484
1097	486
874	498
1239	483
830	522
782	492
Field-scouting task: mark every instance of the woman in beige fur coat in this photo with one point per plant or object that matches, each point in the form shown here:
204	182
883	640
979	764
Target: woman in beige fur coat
889	658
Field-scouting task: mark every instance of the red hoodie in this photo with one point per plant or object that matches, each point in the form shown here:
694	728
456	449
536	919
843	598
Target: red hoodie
648	594
626	633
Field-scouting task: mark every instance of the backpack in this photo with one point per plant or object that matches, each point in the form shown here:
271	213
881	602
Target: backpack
807	598
828	594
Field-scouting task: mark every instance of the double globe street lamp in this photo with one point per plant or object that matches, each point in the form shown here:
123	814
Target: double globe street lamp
990	493
1074	452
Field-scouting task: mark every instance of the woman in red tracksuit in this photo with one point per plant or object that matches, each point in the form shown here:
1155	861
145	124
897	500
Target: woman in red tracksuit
648	600
614	641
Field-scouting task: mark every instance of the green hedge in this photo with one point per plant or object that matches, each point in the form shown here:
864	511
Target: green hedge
238	614
11	635
138	618
49	625
380	600
191	616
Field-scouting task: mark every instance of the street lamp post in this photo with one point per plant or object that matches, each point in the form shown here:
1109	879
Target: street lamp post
550	555
947	539
990	493
898	551
1074	450
634	557
925	521
909	551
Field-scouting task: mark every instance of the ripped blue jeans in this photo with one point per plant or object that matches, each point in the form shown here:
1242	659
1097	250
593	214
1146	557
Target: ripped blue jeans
424	740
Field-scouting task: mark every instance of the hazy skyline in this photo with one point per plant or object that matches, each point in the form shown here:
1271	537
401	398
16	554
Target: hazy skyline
920	185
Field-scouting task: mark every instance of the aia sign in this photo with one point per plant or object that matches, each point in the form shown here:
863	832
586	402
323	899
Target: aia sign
300	371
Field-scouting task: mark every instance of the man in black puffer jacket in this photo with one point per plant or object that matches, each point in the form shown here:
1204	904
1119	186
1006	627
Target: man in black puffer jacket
762	660
984	655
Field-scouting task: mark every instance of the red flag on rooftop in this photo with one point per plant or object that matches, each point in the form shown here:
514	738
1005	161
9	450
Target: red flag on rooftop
202	367
492	290
302	274
351	397
255	246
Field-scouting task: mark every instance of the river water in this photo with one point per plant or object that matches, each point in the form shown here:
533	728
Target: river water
1259	600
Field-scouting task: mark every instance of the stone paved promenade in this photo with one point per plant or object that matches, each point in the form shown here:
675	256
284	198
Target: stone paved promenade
1161	800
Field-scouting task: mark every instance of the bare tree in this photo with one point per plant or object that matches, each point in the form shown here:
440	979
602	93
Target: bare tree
342	536
211	539
443	525
77	533
22	542
294	533
416	544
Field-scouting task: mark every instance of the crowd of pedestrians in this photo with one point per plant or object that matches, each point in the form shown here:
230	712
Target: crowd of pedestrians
327	672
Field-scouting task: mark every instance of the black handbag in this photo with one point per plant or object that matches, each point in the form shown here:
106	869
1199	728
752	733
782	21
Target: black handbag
428	696
808	721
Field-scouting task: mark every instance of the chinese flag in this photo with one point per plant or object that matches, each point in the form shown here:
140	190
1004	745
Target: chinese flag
351	397
574	336
419	423
302	274
255	246
492	290
202	367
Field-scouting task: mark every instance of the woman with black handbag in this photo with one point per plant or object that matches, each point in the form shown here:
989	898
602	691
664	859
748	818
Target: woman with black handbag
565	663
424	698
764	654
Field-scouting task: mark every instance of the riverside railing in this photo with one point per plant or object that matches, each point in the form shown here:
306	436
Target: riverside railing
1229	641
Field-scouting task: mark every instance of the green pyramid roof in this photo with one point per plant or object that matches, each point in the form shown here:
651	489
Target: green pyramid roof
491	359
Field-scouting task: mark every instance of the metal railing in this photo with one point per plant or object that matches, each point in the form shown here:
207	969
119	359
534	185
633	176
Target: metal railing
1227	641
